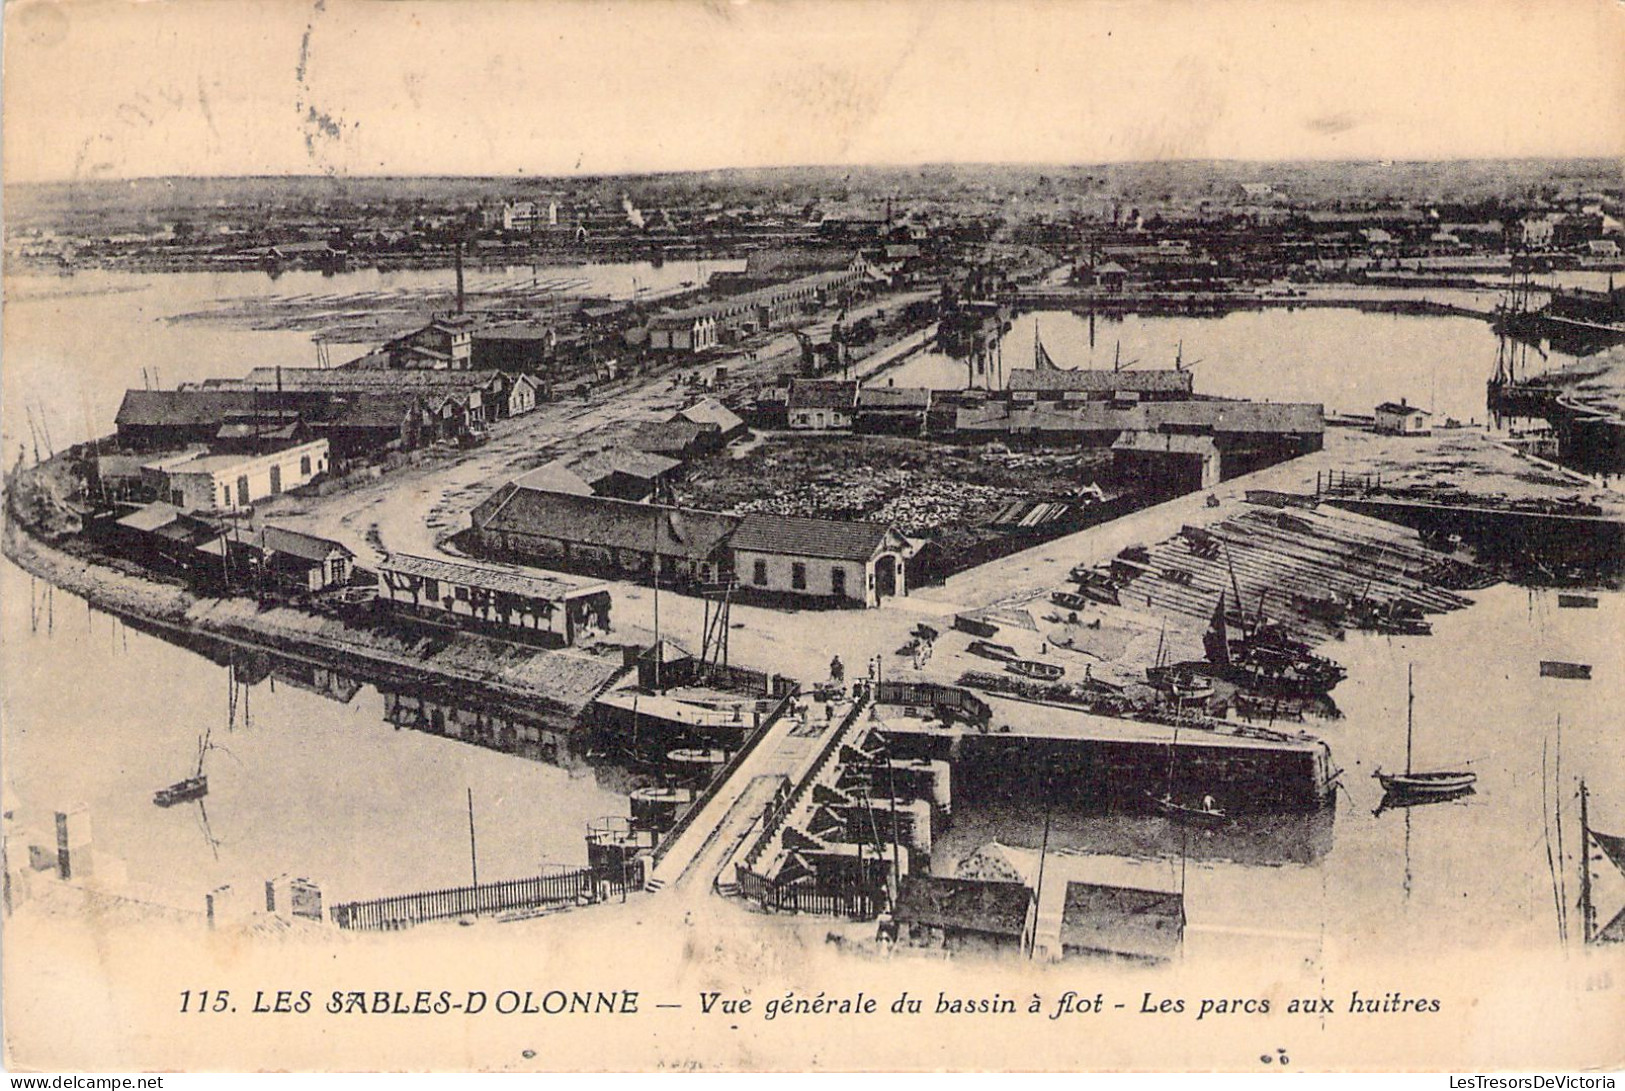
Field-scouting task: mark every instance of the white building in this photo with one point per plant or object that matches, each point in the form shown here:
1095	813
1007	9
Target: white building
200	481
683	332
844	564
1403	419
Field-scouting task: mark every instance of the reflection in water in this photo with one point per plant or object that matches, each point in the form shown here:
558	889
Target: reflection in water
318	781
1468	871
1347	360
1266	840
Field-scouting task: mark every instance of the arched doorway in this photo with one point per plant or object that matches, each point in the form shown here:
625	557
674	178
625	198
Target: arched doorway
888	573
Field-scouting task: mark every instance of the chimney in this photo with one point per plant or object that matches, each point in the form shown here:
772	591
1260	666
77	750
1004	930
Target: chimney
1403	404
459	276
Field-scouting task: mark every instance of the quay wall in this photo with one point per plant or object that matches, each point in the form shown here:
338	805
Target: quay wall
1582	539
177	614
1126	774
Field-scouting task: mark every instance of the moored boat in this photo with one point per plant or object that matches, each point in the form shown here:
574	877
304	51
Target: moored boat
195	787
1416	786
1207	814
1032	668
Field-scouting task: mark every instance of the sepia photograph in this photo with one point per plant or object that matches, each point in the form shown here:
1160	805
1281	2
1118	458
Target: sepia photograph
801	535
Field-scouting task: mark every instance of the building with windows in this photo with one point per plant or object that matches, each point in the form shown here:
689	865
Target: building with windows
1403	419
838	563
821	404
302	562
202	481
501	597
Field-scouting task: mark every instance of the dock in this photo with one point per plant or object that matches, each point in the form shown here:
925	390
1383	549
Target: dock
1035	751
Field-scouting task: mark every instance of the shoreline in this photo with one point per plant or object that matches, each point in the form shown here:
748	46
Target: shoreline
364	655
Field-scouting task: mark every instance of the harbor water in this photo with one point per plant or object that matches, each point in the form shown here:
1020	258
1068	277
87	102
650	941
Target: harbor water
323	784
74	344
1347	360
1470	872
309	777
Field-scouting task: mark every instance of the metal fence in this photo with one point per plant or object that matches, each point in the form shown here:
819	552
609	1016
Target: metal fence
806	896
581	887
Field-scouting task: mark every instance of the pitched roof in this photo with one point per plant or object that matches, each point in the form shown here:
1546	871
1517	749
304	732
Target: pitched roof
490	576
1236	416
595	467
796	536
669	435
974	905
372	409
515	331
1102	380
150	517
1165	442
355	378
181	408
1406	410
822	394
299	544
603	521
711	411
894	397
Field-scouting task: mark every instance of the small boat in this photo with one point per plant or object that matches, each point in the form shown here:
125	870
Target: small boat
1413	785
975	626
1068	600
1206	815
697	756
181	791
987	650
1425	785
1095	584
1190	687
195	786
1032	668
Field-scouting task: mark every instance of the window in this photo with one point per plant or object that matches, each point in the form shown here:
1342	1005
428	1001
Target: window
431	589
276	480
798	576
461	593
304	465
837	580
339	571
178	498
242	490
758	574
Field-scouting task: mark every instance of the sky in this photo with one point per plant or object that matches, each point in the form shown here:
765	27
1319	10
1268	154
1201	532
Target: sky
117	88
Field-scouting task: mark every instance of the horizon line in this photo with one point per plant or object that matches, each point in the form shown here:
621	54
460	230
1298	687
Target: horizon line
338	176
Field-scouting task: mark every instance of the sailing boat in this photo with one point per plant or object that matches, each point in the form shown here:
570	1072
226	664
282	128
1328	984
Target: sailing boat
1417	786
1611	848
195	786
1041	357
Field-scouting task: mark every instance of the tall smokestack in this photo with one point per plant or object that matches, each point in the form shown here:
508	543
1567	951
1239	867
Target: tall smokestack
459	276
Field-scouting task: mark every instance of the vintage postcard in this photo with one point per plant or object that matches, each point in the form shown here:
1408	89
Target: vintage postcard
744	536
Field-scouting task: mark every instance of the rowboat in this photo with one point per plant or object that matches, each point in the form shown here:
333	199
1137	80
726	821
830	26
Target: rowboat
1067	600
1206	815
1002	652
1032	668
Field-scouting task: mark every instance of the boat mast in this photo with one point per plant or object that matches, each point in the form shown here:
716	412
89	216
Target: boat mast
1588	912
1410	711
